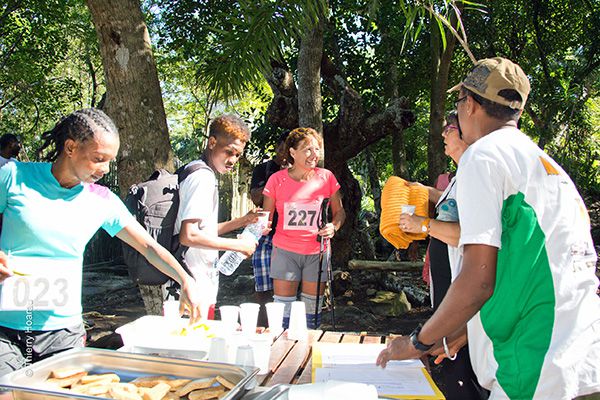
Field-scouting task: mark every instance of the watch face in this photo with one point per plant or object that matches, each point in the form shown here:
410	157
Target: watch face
424	228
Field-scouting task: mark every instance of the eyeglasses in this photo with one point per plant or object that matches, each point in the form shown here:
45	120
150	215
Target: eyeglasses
448	128
459	100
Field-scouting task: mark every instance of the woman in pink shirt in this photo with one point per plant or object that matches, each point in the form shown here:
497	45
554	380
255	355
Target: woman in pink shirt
297	194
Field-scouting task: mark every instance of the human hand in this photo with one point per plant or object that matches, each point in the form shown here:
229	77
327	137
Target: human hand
411	223
268	228
251	217
328	231
399	348
5	271
246	246
190	300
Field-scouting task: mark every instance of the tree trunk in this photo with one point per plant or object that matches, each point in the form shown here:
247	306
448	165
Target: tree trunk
399	154
309	79
134	98
348	134
440	66
343	243
373	179
398	147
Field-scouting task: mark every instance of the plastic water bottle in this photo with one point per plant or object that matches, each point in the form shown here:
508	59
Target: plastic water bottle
229	261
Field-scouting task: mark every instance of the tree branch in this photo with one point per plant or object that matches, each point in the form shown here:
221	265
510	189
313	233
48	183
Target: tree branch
283	110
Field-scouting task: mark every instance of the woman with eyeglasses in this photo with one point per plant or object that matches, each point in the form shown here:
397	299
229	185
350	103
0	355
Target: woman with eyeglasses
454	374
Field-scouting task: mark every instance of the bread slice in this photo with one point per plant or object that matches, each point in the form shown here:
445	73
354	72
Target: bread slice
66	372
68	381
120	393
228	384
156	393
109	377
205	394
196	384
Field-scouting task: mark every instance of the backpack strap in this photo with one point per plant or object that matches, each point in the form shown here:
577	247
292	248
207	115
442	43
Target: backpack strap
190	168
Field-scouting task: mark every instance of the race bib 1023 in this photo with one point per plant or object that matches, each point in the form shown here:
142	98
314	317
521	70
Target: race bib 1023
41	283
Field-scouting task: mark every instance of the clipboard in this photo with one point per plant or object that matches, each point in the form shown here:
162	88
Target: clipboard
355	362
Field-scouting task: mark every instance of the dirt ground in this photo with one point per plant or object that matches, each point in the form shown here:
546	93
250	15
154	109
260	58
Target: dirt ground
111	300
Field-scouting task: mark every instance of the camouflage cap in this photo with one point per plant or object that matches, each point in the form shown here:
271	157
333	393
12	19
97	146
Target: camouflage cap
491	75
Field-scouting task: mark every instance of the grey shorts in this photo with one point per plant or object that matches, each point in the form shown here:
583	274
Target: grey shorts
18	349
290	266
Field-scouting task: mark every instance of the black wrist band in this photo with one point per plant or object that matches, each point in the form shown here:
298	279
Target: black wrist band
414	339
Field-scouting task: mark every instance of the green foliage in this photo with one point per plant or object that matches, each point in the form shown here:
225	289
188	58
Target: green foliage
212	56
47	50
233	43
555	42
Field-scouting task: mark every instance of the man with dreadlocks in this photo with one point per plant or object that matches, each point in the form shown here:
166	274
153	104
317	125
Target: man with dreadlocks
50	211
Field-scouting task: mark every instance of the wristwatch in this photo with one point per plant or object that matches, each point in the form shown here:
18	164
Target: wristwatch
414	339
425	225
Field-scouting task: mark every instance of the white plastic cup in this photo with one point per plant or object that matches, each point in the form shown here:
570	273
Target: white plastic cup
234	340
171	309
249	317
218	351
298	329
275	317
245	356
408	209
229	316
263	219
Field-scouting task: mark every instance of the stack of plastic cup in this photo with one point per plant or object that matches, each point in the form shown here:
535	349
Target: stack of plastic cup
249	317
218	351
275	317
245	356
261	345
298	329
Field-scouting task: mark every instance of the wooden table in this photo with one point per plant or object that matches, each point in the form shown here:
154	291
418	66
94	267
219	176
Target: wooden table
291	361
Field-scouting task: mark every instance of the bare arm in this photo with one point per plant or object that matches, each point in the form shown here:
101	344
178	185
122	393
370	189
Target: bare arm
465	297
5	270
137	237
192	236
256	195
237	223
339	216
337	209
447	232
434	194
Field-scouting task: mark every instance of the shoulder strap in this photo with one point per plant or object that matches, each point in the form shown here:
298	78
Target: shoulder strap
190	168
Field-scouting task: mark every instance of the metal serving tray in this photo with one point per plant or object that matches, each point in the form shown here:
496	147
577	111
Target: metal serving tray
29	382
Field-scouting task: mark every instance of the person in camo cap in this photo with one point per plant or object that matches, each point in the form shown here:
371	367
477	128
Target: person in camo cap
526	293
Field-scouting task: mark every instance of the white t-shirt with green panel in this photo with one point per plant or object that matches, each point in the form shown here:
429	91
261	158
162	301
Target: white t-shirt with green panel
538	336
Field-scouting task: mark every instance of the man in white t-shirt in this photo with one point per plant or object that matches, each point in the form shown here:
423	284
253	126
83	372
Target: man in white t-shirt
527	288
9	148
197	217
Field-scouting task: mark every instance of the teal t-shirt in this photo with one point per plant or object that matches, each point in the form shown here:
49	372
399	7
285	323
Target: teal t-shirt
42	220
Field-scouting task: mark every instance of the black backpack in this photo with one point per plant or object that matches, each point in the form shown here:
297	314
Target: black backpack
154	204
